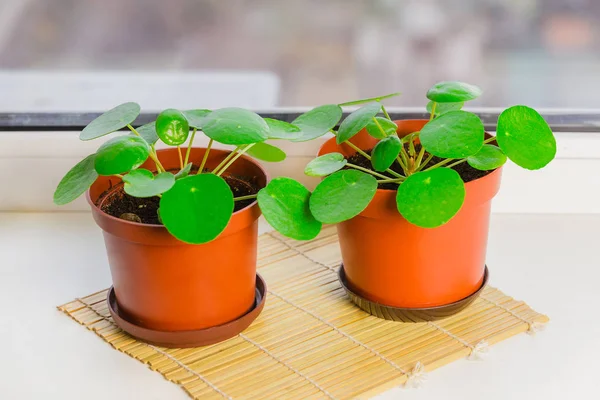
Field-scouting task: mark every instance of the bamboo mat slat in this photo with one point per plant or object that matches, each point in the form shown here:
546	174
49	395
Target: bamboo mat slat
311	342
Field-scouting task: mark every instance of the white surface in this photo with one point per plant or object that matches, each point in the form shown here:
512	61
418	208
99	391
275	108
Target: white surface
550	261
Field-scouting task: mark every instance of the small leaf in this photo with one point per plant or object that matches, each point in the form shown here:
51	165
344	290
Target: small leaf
385	153
443	108
357	121
452	92
431	198
148	132
370	100
317	122
285	205
489	157
456	134
525	137
121	154
76	181
197	208
342	195
282	130
111	121
325	164
143	183
172	127
184	172
195	118
389	128
235	126
266	152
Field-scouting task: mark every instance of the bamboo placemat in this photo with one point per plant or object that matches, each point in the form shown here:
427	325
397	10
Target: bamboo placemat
310	341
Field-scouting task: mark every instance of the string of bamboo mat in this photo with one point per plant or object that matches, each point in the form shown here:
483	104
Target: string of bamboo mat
311	342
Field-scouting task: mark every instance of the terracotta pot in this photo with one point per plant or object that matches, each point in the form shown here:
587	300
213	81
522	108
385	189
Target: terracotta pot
393	262
164	284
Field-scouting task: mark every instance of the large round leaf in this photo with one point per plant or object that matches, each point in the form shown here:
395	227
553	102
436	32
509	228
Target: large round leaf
121	154
235	126
282	130
382	128
285	205
443	108
172	127
385	153
342	195
197	208
489	157
325	164
370	99
76	181
357	121
455	134
452	92
317	122
143	183
431	198
148	132
525	137
111	121
266	152
195	118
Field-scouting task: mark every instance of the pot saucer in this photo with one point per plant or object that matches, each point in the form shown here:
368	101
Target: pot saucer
191	338
409	314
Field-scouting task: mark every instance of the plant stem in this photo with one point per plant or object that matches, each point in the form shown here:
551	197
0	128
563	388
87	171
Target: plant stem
368	171
432	111
385	112
424	163
180	157
210	143
456	163
153	154
189	149
420	157
118	176
441	163
396	180
489	139
368	157
250	196
225	160
238	155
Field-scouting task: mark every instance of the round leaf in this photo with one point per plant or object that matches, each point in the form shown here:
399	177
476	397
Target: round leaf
111	121
456	134
197	208
285	205
148	132
388	127
184	172
370	100
76	181
357	121
525	137
195	118
489	157
266	152
442	108
143	183
385	153
172	127
282	130
235	126
317	122
325	164
452	92
121	154
342	195
431	198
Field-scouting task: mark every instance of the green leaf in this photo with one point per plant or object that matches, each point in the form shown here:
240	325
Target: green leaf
452	92
184	172
456	134
235	126
285	205
195	118
442	108
525	137
143	183
325	164
370	100
431	198
282	130
357	121
317	122
197	208
121	154
148	132
111	121
76	181
342	195
389	128
489	157
385	153
172	127
266	152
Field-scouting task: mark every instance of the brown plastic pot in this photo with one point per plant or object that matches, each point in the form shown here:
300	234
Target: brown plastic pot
164	284
390	261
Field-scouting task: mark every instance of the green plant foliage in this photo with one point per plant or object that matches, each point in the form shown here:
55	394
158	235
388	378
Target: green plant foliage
195	118
285	205
184	172
489	157
148	132
357	121
442	108
282	130
453	92
317	122
172	127
525	137
111	121
76	181
121	154
266	152
342	195
235	126
143	183
455	134
197	208
370	100
388	127
385	153
431	198
325	164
